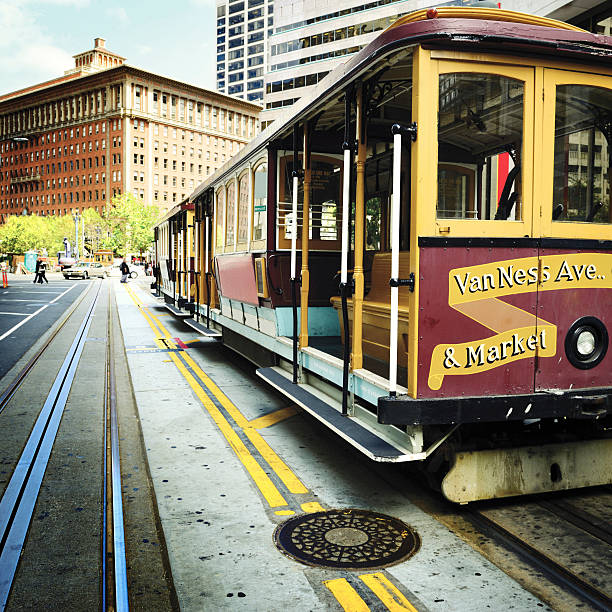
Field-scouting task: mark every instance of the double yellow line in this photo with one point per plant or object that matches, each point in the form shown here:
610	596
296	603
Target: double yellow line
341	589
188	368
388	594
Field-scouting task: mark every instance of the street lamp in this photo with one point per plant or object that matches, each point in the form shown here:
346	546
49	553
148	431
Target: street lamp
76	218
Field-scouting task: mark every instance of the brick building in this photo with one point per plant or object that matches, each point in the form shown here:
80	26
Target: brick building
106	128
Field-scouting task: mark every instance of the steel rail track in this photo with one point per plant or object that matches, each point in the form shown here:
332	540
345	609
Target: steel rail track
14	385
579	518
553	571
115	574
19	499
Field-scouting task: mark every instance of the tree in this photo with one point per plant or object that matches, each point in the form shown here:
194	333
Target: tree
130	224
22	233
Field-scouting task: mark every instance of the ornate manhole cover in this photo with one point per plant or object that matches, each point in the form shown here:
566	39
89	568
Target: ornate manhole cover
347	539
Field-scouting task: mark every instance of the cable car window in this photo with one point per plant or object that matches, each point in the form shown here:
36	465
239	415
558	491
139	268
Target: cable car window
480	140
230	214
243	208
325	215
260	193
219	216
581	183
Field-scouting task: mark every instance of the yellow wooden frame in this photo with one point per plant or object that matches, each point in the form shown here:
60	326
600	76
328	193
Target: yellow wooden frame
219	240
563	229
260	244
233	184
244	174
432	226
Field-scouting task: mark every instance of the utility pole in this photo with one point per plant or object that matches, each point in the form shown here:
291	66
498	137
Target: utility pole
76	234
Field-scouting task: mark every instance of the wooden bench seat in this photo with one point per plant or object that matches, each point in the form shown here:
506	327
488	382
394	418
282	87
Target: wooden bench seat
377	310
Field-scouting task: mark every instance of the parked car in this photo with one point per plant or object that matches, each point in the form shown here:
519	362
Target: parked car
86	269
66	262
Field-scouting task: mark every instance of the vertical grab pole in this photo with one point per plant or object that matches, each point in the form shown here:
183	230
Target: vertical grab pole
171	227
346	212
206	273
187	259
395	236
196	265
294	229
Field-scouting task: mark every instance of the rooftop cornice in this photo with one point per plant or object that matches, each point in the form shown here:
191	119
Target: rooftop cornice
79	81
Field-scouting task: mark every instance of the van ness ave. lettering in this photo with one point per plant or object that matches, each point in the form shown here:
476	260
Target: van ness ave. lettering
504	276
522	275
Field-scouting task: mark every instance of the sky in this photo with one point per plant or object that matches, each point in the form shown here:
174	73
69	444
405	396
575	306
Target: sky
172	38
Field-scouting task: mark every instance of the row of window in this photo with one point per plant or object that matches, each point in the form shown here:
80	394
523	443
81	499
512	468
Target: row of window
92	128
239	18
213	117
54	199
236	193
252	60
165	196
323	38
296	83
51	212
235	7
73	108
281	103
316	58
38	155
37	171
165	180
174	165
36	184
334	15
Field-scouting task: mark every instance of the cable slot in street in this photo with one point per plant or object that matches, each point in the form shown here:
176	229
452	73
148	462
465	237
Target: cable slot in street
116	588
17	504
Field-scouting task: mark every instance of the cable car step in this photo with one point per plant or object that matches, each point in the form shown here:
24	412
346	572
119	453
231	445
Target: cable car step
177	312
202	329
347	427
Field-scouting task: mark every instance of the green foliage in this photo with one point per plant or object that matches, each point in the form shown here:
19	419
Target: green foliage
130	224
22	233
126	226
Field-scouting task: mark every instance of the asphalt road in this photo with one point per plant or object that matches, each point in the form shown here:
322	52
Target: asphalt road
27	311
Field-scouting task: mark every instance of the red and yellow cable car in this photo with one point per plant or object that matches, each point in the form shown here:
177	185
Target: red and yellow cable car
420	253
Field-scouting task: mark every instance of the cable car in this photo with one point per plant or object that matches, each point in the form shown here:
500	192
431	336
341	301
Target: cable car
420	253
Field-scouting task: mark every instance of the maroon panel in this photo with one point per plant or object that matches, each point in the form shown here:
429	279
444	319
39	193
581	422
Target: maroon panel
563	307
324	279
442	324
236	278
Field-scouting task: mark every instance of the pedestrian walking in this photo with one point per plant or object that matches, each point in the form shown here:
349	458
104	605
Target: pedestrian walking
125	270
42	269
36	271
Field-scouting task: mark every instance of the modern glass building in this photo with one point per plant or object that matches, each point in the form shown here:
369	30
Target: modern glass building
274	53
243	28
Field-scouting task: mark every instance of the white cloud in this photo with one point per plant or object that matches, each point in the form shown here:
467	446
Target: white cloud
74	3
27	53
119	14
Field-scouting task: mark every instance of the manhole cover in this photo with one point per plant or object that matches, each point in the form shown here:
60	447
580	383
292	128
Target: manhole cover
347	539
